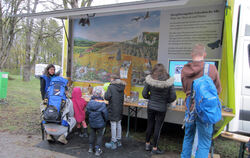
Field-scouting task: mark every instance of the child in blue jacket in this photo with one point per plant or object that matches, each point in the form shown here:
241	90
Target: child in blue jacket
98	115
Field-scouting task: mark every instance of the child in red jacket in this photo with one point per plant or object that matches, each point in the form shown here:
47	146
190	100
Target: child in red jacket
79	105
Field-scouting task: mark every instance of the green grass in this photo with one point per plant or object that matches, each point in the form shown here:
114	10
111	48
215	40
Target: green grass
173	143
21	114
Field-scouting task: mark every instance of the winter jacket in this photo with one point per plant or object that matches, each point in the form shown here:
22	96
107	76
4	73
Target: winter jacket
44	84
68	114
194	70
79	104
115	96
159	93
97	114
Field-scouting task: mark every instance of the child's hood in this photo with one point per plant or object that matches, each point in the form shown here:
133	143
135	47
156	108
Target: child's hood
119	84
76	93
95	105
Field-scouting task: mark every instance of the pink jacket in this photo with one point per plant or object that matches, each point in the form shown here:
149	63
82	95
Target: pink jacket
79	104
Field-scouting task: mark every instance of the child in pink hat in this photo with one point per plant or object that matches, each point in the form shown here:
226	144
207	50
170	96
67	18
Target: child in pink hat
79	105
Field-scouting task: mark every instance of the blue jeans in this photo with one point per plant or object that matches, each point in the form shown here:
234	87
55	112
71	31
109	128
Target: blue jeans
205	132
116	130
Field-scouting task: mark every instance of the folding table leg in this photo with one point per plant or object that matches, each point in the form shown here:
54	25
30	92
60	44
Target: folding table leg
242	150
135	117
127	134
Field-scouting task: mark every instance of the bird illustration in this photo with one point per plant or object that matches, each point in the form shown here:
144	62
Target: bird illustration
137	18
147	15
215	44
84	21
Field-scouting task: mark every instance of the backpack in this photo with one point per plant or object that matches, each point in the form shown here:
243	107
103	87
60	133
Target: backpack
55	100
207	103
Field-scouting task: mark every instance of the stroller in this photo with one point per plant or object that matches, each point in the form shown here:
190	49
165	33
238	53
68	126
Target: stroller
56	129
57	111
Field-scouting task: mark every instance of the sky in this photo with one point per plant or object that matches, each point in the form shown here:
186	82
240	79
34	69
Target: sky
105	2
117	28
46	6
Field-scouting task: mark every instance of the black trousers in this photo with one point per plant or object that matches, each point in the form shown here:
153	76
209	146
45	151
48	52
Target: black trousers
154	125
96	133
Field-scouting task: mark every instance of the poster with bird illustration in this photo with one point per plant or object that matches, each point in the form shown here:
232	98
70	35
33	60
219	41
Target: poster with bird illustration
102	43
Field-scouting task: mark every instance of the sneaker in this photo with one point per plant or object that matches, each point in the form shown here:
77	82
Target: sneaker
62	139
119	143
148	147
77	131
157	151
98	152
84	135
91	150
111	145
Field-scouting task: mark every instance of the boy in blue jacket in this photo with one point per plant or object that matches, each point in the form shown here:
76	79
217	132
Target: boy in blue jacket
98	115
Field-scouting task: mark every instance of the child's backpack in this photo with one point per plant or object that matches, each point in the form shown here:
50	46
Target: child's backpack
207	103
56	99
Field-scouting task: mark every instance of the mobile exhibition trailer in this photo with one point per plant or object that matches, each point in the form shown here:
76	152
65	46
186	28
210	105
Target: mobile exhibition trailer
132	37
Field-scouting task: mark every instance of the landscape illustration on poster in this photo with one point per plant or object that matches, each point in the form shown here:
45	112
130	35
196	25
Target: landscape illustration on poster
103	43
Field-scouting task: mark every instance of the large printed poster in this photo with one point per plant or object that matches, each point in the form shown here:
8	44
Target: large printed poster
181	29
101	45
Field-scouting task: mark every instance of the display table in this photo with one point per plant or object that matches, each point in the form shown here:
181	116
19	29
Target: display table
242	139
134	107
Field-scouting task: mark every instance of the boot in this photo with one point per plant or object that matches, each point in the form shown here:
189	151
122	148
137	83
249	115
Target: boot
84	133
111	145
77	131
62	139
49	138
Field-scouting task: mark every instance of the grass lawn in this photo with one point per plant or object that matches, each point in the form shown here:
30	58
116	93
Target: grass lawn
22	116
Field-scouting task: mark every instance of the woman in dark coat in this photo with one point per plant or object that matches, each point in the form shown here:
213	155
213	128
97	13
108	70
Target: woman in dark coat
160	91
115	96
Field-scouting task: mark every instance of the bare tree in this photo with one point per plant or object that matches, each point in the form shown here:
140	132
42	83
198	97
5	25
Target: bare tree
7	27
29	27
76	3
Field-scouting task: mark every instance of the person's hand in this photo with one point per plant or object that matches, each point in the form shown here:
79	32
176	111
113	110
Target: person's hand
192	106
45	101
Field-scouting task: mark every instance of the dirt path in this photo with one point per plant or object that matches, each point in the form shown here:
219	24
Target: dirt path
32	146
21	146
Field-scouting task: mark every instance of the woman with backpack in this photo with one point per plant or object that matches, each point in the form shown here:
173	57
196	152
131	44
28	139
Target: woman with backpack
57	110
160	91
45	79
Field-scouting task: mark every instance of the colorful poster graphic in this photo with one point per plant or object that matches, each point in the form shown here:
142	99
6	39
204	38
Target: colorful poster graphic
176	66
101	45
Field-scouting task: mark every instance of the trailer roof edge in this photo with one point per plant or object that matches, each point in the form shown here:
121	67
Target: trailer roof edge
131	6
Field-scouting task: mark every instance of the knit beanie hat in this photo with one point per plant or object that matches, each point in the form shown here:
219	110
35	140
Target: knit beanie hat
98	91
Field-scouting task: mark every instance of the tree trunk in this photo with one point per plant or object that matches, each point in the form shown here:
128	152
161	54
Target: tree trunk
74	3
38	42
86	3
7	29
29	28
65	4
